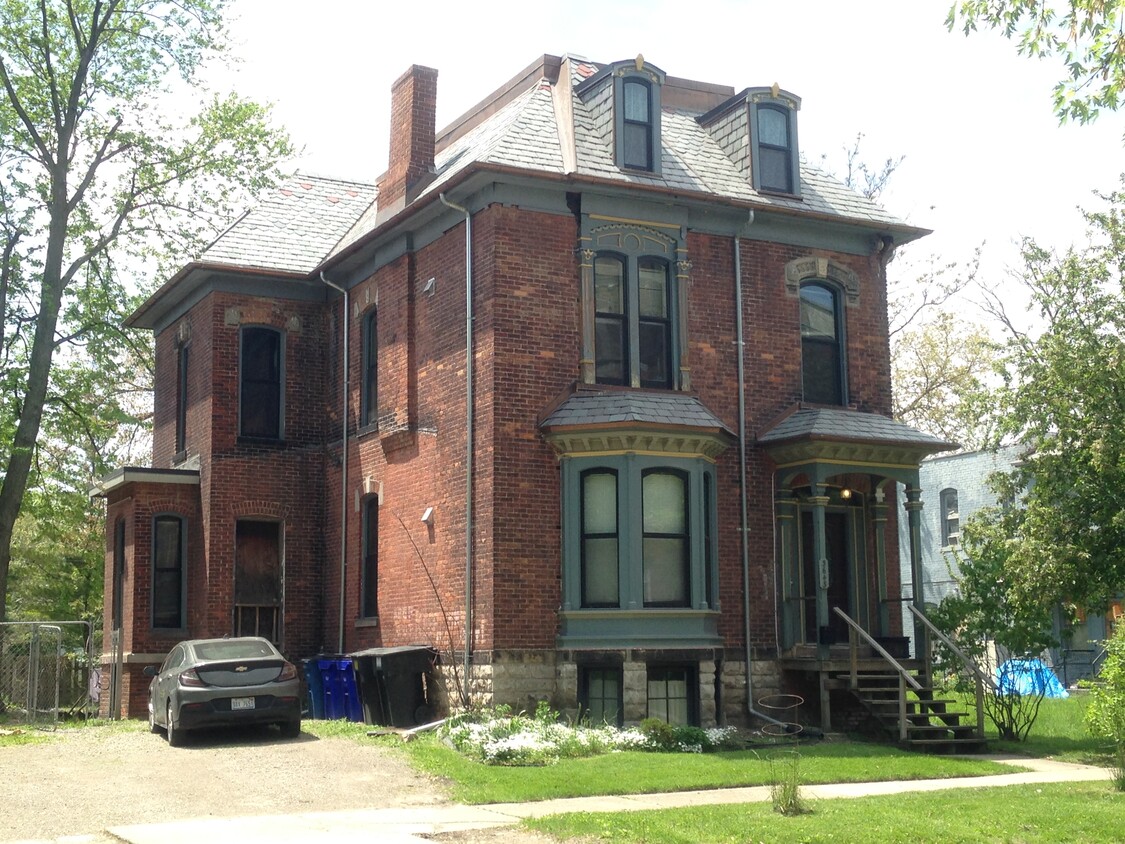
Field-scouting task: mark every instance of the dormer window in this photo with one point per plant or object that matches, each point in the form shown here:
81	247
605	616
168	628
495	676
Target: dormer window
637	124
775	161
624	99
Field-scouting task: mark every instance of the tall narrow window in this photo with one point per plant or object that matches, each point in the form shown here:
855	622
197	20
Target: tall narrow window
257	579
611	335
181	397
654	334
260	400
600	586
637	126
822	359
665	553
370	392
369	586
950	518
708	545
168	572
775	149
118	572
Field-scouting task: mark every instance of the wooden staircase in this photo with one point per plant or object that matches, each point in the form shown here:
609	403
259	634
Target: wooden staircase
914	717
903	705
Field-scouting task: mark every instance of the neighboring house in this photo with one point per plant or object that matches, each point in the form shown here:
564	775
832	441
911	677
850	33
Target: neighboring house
604	349
955	487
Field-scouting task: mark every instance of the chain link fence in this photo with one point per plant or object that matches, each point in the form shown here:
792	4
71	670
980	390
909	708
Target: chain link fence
48	671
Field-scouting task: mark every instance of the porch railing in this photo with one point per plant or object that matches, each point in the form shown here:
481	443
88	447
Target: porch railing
980	679
857	634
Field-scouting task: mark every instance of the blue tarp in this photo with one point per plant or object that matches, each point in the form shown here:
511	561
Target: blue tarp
1028	677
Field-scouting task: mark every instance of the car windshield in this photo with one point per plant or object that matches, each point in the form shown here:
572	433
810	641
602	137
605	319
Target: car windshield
232	650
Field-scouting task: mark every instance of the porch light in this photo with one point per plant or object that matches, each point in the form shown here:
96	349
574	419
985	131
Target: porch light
846	494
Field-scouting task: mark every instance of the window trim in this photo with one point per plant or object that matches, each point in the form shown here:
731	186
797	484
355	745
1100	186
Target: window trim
840	342
280	382
369	385
787	105
181	566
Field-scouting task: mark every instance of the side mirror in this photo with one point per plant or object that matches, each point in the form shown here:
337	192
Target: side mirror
151	670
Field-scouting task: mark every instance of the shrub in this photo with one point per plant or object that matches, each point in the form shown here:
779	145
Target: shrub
1105	714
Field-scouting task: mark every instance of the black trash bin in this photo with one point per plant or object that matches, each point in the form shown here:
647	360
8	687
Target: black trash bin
392	684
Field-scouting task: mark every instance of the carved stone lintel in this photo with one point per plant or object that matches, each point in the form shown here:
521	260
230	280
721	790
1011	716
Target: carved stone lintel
819	267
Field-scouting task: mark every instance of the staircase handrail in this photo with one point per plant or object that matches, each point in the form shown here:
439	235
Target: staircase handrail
981	679
949	643
879	649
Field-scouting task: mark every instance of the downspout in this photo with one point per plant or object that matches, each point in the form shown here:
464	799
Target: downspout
344	459
468	436
744	509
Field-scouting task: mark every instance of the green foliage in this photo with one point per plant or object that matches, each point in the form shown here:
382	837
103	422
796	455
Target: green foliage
116	164
942	369
989	621
1105	715
1084	36
785	784
1065	399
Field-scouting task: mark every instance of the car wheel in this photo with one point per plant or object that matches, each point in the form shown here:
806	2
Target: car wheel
175	736
291	729
152	728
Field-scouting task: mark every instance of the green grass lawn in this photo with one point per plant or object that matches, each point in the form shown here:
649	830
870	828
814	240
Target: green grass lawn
633	772
1086	812
1058	733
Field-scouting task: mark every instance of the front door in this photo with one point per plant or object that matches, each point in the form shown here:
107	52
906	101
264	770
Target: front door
836	548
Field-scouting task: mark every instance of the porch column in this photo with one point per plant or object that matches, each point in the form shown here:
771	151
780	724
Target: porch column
820	555
913	507
879	518
790	580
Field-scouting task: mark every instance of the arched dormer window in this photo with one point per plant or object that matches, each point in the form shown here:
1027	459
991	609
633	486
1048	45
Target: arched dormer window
624	101
822	345
774	154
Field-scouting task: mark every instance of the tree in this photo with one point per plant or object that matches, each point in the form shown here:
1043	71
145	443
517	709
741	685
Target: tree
1065	399
1105	714
97	180
990	622
941	385
1086	36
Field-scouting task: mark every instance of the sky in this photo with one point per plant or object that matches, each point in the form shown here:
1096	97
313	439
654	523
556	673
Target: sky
985	160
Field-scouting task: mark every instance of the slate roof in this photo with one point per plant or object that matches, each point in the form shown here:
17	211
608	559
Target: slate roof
294	227
593	408
309	218
848	425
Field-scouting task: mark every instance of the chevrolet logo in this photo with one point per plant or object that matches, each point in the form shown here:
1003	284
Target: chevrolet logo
242	668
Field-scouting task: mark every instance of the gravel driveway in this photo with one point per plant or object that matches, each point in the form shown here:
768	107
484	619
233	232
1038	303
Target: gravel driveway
83	781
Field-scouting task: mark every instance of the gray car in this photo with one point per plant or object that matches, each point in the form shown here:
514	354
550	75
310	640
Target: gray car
223	682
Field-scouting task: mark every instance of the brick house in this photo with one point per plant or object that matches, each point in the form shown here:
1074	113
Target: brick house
604	349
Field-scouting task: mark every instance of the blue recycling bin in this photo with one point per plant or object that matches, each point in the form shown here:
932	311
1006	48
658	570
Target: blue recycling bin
341	700
316	689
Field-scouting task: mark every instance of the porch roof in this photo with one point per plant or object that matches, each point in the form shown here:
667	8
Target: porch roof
826	441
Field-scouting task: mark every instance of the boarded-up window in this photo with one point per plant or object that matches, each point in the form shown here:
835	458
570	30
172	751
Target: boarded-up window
257	578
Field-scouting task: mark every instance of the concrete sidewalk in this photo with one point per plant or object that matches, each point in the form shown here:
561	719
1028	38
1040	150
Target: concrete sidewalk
400	826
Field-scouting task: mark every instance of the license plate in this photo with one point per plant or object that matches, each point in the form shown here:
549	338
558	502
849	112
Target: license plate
242	703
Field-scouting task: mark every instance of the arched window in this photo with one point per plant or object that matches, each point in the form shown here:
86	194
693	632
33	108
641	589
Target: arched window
822	347
611	334
775	149
637	124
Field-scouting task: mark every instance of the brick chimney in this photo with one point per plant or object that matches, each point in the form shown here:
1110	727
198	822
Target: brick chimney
413	115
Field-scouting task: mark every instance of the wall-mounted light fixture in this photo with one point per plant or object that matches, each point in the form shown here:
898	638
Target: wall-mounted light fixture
428	516
428	287
846	494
